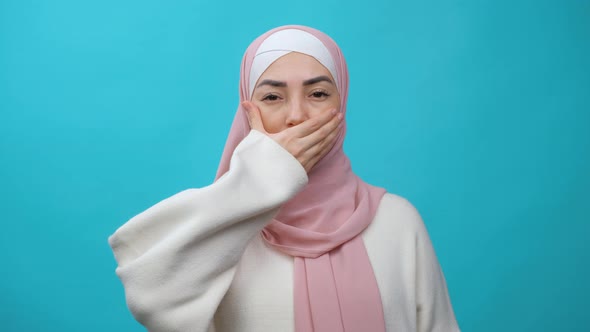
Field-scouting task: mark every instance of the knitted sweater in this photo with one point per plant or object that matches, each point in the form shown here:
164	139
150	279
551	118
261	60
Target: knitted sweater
196	261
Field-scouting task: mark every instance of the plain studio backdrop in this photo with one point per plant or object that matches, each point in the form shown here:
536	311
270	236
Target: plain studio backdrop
478	112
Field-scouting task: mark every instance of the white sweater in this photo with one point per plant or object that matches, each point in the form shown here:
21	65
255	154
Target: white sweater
196	261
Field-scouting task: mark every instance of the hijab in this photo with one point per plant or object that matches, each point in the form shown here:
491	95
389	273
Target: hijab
334	284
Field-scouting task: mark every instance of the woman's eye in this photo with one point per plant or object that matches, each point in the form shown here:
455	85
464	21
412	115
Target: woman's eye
270	97
319	94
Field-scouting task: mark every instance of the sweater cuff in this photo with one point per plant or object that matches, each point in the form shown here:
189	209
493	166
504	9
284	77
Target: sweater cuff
277	165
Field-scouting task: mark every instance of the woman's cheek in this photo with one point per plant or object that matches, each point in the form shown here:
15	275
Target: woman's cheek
321	108
272	120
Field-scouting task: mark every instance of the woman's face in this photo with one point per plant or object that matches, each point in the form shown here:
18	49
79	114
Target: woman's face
293	89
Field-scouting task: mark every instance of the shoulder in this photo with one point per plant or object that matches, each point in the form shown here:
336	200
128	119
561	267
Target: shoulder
399	209
396	203
392	239
397	216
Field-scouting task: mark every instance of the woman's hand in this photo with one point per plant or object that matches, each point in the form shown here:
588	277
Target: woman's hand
308	141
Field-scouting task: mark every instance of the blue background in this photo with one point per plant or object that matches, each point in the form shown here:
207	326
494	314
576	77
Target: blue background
477	111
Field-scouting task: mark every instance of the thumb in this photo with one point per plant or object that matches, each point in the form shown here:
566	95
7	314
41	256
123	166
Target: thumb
253	115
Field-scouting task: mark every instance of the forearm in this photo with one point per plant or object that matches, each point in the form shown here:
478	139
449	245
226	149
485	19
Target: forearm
177	259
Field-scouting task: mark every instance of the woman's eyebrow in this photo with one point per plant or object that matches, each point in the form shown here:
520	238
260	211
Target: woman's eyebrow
274	83
317	80
281	84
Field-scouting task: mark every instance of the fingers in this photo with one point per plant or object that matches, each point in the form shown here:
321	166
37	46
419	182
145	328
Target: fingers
308	141
312	125
311	148
324	131
253	115
321	149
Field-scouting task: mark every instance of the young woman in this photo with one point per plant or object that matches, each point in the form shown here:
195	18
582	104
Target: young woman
287	238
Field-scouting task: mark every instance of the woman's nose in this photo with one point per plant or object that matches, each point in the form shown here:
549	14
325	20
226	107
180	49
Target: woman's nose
296	113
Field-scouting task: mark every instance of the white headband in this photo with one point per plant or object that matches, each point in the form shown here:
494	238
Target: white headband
283	42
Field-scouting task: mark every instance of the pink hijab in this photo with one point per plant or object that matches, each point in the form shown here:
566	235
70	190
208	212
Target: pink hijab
334	285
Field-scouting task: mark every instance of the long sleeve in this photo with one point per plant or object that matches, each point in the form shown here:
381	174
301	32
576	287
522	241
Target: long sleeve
177	259
434	310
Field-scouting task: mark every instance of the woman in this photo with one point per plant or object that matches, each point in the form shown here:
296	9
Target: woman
288	237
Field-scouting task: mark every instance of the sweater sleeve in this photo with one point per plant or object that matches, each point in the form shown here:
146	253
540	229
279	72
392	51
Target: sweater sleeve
177	259
434	311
